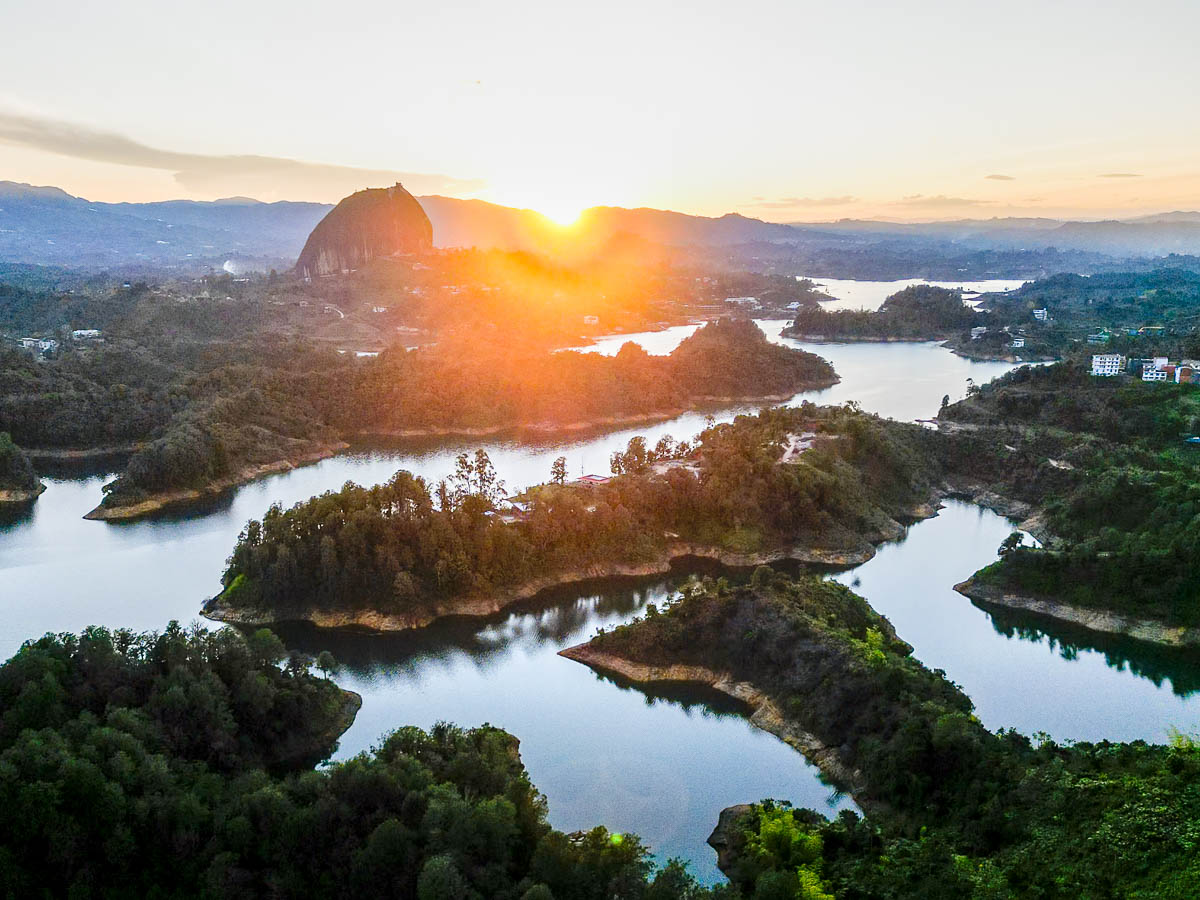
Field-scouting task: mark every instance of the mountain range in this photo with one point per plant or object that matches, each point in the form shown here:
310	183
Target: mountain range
47	226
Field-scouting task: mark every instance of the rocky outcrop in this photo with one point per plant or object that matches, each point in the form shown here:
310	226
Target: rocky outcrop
724	837
16	496
370	224
1093	619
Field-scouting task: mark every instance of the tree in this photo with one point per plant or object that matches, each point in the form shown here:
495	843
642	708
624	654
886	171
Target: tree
326	663
945	401
265	648
1010	544
558	471
297	663
441	880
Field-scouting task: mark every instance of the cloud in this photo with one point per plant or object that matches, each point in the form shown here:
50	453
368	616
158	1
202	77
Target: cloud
938	201
794	202
999	177
1120	175
248	175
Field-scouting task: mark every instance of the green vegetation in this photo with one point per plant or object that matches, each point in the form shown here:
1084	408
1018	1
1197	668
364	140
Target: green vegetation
177	765
1105	461
405	548
954	810
206	412
920	312
16	471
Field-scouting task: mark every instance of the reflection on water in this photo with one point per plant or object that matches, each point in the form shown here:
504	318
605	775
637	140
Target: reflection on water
1177	668
1018	677
660	764
870	295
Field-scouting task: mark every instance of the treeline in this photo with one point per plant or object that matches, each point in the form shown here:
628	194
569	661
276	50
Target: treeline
1105	461
205	412
919	312
478	383
955	810
16	471
179	765
406	547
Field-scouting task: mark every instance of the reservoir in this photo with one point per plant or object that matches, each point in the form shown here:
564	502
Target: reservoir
659	766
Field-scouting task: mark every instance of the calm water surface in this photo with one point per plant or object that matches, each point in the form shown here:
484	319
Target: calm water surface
603	754
871	294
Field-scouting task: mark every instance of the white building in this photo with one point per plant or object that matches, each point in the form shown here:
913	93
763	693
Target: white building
85	334
1041	314
591	320
1017	343
978	331
742	301
1155	374
1108	364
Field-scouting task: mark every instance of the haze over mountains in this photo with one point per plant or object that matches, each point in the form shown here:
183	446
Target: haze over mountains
47	226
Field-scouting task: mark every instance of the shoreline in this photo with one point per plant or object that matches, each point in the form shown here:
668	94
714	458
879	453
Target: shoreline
1098	620
857	339
492	604
53	454
765	713
159	502
18	496
550	428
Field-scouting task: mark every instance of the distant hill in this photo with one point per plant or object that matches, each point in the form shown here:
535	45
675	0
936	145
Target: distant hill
366	225
47	226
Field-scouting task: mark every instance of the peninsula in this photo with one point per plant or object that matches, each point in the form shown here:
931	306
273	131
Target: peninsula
817	484
19	483
951	808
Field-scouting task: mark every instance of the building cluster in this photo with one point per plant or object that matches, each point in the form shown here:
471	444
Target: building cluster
1158	368
43	347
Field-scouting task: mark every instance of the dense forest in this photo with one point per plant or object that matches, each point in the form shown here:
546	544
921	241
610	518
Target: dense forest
920	312
179	765
955	810
1166	297
1106	462
195	413
479	383
16	471
408	548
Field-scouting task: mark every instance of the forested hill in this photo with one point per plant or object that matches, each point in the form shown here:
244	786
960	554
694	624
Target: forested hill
179	765
475	383
209	413
955	810
1106	464
919	312
407	553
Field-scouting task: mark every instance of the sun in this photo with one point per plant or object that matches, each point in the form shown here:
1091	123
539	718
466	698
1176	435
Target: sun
562	211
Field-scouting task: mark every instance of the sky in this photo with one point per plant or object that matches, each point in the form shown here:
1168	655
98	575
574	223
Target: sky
787	111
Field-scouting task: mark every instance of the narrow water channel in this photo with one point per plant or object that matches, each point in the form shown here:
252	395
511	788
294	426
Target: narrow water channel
661	767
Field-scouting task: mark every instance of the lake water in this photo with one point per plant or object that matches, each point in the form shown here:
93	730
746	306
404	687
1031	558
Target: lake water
871	294
661	767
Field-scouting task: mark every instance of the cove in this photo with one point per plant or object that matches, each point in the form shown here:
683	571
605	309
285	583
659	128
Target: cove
603	754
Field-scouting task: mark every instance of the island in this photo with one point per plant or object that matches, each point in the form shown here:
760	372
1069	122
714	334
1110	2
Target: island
952	809
821	485
19	483
923	312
